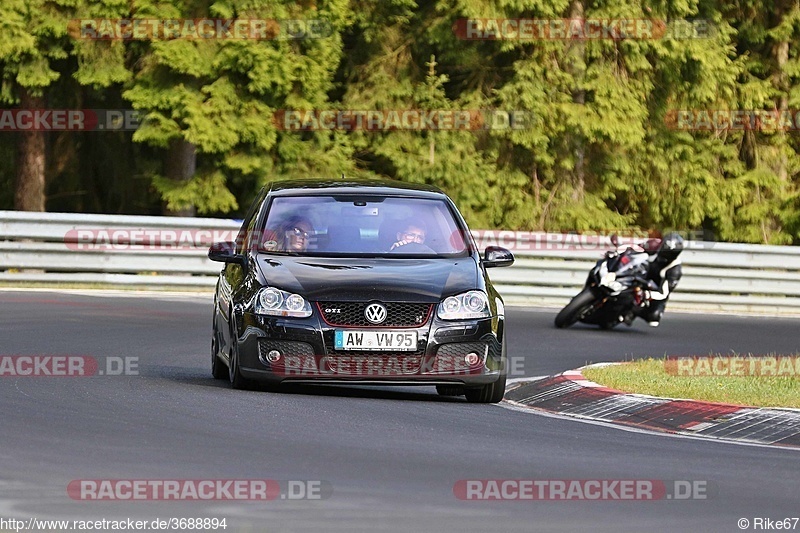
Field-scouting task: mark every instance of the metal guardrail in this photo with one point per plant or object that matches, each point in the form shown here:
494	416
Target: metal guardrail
730	277
142	251
166	252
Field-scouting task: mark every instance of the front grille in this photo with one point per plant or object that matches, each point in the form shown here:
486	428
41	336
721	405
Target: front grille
351	314
287	348
373	365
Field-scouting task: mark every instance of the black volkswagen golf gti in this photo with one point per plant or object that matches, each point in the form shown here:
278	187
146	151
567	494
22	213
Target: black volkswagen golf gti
359	282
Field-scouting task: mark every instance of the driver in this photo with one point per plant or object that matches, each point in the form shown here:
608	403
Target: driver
412	232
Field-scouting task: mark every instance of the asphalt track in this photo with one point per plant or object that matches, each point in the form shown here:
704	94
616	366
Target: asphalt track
391	456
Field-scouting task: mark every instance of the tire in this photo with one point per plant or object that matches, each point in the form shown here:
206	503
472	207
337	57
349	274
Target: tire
491	393
573	310
450	390
238	381
218	369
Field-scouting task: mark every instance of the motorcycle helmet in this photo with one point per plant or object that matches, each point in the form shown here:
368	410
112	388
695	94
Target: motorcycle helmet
671	247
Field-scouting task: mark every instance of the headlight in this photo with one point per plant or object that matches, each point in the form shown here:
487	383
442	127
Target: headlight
274	302
270	298
472	304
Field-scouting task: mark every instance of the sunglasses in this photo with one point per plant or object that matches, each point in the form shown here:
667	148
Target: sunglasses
297	232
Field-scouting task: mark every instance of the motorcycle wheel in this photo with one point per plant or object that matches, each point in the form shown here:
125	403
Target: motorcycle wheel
574	309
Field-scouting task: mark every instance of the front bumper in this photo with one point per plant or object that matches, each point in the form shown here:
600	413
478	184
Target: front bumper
306	353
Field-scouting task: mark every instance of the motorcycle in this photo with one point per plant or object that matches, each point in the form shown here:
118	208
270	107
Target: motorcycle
616	290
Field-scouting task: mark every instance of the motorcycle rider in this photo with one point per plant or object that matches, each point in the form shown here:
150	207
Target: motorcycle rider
664	271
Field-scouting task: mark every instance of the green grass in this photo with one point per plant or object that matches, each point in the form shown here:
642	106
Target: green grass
649	376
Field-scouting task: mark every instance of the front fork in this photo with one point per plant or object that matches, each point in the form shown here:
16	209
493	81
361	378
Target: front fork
638	296
641	302
641	297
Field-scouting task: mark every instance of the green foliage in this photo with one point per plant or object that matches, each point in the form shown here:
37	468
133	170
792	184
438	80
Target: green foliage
207	192
220	95
34	33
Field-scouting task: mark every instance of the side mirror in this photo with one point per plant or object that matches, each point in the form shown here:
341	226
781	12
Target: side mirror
615	240
225	252
495	256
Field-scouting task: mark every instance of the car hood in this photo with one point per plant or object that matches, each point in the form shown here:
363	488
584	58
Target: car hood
354	279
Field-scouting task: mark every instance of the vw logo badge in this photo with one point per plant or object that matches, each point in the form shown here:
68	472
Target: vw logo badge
375	313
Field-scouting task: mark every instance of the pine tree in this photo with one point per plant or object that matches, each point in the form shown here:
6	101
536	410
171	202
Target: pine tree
210	103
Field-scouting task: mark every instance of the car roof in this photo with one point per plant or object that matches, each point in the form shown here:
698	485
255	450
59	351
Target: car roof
370	187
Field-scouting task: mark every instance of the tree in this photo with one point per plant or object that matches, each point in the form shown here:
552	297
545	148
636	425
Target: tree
33	45
210	103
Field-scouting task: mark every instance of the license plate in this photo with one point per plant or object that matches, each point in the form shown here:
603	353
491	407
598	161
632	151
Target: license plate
389	341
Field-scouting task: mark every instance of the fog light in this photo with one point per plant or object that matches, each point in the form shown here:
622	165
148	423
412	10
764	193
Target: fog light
472	359
273	356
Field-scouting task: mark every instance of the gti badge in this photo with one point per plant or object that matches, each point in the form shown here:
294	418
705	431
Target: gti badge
375	313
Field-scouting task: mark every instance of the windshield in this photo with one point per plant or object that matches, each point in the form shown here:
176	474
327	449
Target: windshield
365	225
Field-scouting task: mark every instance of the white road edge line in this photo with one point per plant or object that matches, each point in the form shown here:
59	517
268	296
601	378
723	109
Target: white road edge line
514	406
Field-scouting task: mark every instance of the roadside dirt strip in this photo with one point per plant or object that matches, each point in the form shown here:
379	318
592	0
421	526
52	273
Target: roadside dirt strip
571	394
